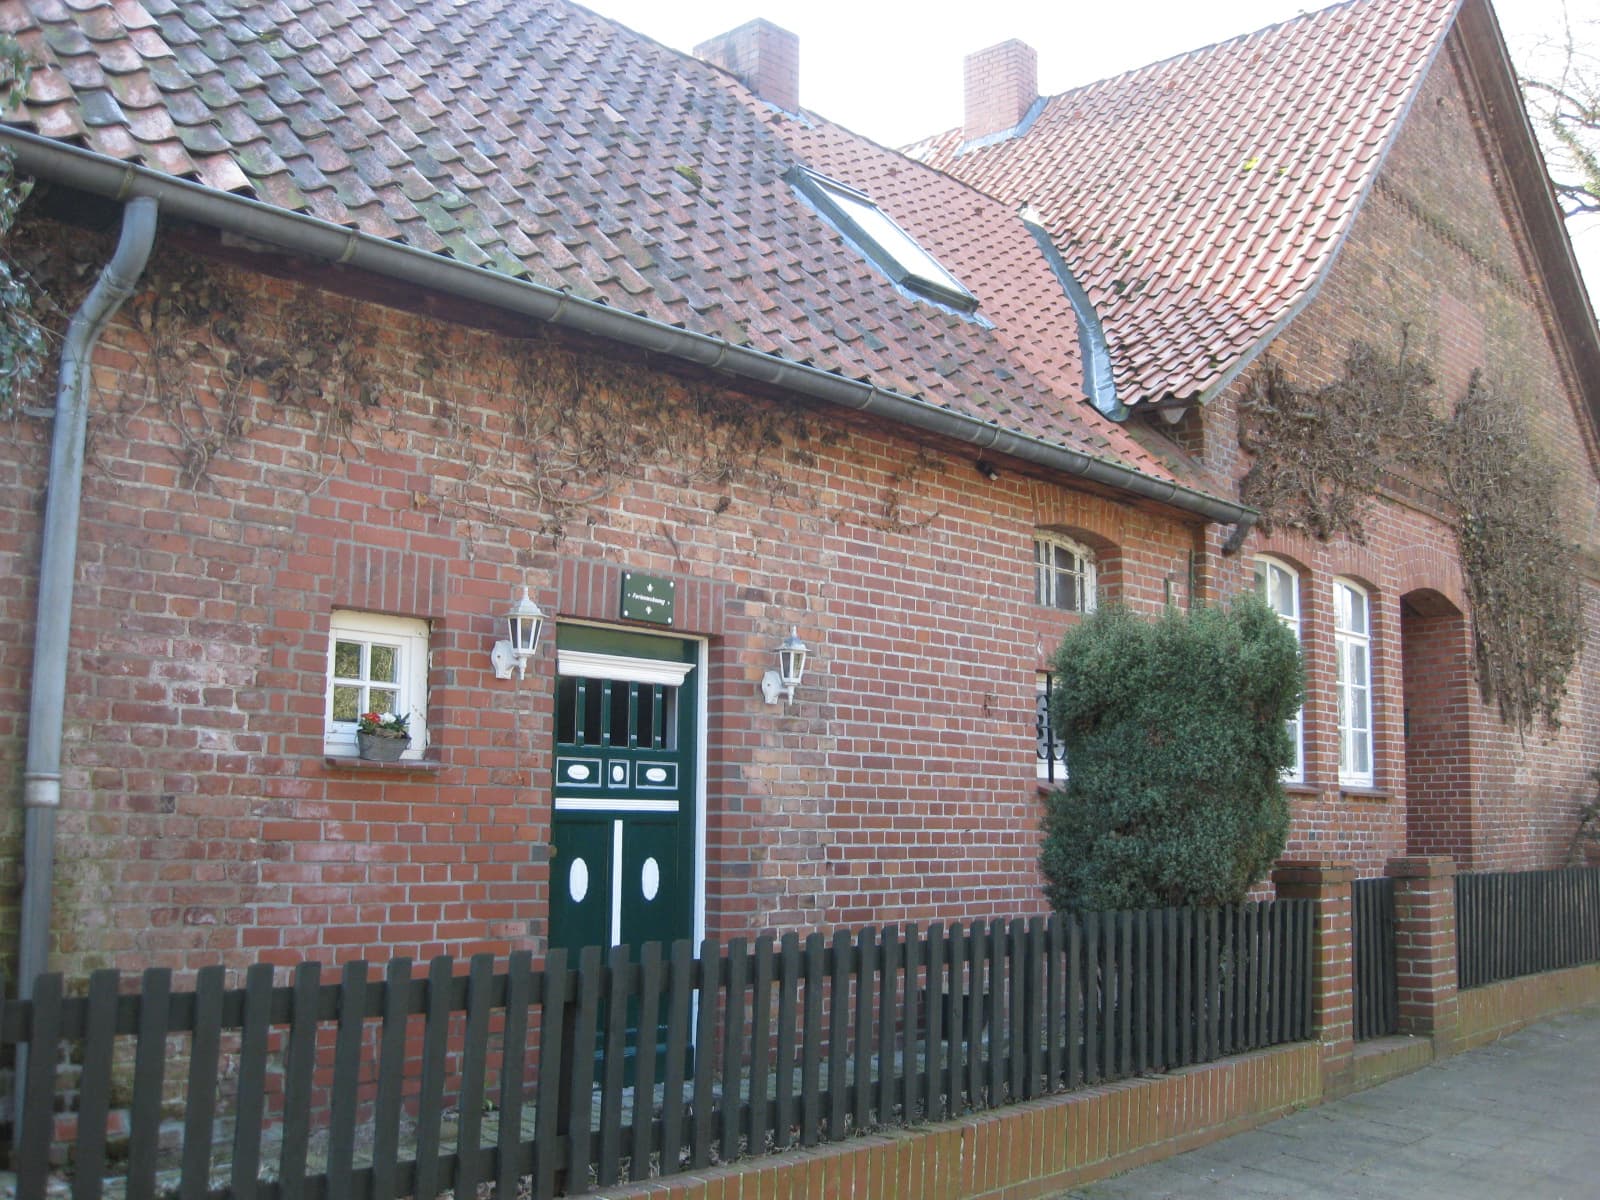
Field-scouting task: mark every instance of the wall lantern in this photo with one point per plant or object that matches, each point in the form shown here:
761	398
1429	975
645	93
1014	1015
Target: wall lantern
524	622
791	666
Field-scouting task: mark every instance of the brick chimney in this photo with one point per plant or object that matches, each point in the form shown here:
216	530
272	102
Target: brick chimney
765	58
1002	83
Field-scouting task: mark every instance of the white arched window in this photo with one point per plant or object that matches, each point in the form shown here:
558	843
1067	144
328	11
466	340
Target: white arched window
1352	641
1063	574
1279	585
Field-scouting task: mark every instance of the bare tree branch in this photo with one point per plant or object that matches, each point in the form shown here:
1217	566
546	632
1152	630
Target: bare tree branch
1562	92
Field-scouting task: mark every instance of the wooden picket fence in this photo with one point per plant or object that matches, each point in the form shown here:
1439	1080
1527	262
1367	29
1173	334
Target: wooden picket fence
1510	924
558	1078
1377	983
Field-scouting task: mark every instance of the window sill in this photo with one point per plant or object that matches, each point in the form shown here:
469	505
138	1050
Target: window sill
1370	795
352	762
1302	789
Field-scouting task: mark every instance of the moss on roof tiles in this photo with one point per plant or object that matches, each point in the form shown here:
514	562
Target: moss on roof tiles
541	142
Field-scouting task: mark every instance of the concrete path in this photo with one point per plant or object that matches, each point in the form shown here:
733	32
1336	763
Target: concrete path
1517	1119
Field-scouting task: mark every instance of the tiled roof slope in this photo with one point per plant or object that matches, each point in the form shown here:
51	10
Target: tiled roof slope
984	243
543	142
1198	199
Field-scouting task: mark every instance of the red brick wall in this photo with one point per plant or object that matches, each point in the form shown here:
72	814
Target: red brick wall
1438	697
201	822
1435	257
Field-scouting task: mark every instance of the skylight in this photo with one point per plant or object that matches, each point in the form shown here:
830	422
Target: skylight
894	250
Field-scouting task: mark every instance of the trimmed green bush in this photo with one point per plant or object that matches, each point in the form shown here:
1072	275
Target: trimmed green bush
1176	746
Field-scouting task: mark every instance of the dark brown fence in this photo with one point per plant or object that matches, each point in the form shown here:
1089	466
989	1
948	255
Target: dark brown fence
417	1085
1377	995
1520	924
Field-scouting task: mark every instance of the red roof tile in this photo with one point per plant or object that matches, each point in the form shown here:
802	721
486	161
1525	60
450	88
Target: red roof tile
1200	198
536	139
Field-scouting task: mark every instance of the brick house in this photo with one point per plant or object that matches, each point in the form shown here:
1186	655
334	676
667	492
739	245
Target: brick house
426	305
1363	174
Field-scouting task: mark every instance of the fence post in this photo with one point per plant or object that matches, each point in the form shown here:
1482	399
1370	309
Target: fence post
1332	959
1425	946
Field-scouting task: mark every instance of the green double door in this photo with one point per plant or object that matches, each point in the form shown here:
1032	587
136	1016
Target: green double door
623	828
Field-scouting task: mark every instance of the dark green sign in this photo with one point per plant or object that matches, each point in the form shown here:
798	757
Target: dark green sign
647	598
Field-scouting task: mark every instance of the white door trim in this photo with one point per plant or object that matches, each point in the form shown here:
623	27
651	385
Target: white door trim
596	665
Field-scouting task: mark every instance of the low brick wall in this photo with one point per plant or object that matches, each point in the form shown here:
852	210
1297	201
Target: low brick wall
1491	1012
1034	1149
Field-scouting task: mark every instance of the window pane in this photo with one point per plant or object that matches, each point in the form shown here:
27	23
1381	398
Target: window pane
381	700
346	703
1361	754
1349	609
347	660
646	718
669	718
1284	601
619	712
591	730
384	663
566	709
1067	593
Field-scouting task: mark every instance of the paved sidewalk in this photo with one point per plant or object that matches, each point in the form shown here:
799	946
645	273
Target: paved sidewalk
1516	1119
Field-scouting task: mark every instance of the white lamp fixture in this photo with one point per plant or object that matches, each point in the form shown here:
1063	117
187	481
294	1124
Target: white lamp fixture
791	667
524	623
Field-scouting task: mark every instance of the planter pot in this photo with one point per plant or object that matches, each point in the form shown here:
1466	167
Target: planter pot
381	749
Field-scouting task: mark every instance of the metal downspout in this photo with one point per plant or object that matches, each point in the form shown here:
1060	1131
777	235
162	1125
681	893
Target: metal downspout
41	786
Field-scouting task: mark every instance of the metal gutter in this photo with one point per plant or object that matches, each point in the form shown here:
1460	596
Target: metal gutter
313	237
41	779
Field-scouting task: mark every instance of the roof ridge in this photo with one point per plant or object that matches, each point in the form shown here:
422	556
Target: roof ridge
911	149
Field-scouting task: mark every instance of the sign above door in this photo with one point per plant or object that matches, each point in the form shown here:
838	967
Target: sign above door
648	598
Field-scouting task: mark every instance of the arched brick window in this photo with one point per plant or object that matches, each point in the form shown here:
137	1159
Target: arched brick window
1063	573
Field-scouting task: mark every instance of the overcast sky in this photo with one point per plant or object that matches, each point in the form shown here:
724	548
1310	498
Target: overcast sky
892	70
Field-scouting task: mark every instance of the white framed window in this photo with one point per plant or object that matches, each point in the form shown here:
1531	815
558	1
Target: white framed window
375	664
1352	641
1279	585
1063	574
1050	756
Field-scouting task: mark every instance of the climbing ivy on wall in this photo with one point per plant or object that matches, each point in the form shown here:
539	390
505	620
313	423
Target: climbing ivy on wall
22	336
549	435
1521	569
1321	455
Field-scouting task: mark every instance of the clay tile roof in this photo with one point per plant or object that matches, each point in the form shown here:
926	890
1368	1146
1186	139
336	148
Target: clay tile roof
1199	199
541	141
